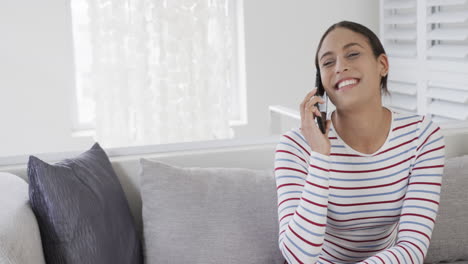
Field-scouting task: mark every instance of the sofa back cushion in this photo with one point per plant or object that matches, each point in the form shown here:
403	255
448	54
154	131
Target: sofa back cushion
449	240
209	215
82	212
20	241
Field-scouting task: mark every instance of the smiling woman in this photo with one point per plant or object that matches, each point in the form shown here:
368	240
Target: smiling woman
368	190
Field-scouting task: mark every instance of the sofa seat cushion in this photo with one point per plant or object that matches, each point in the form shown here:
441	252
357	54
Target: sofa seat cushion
82	211
209	215
20	240
449	241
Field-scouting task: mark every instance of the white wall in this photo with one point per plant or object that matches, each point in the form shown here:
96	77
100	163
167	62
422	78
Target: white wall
36	65
36	77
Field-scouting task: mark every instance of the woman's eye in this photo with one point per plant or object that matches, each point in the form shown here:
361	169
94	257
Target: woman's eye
353	54
327	63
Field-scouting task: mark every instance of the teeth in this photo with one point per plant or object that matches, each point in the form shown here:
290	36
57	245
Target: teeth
347	82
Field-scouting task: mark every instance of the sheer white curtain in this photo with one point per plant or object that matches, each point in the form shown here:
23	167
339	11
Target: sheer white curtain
161	70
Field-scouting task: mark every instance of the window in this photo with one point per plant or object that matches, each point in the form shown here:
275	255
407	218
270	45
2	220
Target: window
158	67
85	102
427	44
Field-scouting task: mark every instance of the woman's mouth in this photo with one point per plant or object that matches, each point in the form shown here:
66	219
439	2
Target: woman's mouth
346	84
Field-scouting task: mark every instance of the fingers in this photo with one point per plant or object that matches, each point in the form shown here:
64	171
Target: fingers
310	99
306	99
312	106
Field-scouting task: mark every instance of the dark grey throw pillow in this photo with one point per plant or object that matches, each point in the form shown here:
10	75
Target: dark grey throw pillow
82	211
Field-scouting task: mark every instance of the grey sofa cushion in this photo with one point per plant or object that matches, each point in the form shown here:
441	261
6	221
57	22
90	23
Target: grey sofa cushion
82	212
449	242
20	241
209	215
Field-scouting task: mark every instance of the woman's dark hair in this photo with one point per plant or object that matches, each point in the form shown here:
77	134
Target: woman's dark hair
374	42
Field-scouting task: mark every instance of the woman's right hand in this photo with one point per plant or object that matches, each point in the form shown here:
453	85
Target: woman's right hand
318	142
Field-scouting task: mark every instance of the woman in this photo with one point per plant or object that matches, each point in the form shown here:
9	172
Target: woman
366	191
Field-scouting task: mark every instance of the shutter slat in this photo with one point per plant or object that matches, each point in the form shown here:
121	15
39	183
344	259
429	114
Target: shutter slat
399	4
404	102
449	85
401	34
448	17
401	88
400	19
448	34
448	95
401	50
448	51
449	110
445	2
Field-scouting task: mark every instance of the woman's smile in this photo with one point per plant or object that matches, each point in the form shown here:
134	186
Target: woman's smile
346	84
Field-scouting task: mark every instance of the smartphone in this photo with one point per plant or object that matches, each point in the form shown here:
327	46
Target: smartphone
322	107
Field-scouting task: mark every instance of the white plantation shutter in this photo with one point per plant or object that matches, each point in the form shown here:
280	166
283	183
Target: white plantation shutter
427	44
399	23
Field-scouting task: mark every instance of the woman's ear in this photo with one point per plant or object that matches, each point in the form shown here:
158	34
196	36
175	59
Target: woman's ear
383	64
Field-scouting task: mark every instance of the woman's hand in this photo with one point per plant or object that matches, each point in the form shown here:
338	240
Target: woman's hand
318	142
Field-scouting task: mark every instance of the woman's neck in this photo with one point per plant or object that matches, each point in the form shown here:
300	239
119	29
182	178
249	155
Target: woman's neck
364	129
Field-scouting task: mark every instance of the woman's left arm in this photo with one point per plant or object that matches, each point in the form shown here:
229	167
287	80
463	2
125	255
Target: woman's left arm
421	202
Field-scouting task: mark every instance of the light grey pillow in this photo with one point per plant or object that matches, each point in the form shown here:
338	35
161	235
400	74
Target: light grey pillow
209	215
20	240
449	242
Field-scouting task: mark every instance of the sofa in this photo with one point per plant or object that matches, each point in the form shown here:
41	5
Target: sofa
449	241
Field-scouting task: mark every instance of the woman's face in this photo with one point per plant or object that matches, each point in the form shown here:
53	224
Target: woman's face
349	71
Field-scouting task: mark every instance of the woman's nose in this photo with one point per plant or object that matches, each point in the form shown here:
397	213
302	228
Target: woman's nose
341	66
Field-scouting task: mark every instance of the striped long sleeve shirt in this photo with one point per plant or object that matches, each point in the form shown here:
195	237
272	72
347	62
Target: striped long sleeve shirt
352	207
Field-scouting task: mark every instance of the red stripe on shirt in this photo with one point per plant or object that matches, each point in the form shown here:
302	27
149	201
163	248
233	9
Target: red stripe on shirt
317	204
422	253
362	218
396	128
317	167
427	138
285	216
298	260
316	185
428	167
287	200
289	152
309	221
356	204
424	153
394	256
289	168
415	231
380	259
411	258
425	183
397	146
422	199
303	239
427	217
298	144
